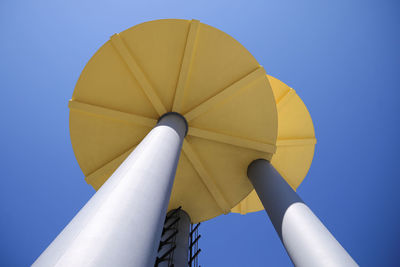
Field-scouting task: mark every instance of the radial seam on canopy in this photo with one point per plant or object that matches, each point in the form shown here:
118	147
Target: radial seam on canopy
296	142
111	113
186	65
226	93
90	178
285	99
137	72
208	182
232	140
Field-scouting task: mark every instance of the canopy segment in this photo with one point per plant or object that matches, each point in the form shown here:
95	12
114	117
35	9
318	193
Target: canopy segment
186	67
295	143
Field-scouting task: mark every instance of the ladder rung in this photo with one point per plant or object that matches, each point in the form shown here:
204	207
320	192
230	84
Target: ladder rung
195	228
169	216
164	242
194	256
194	241
163	257
169	226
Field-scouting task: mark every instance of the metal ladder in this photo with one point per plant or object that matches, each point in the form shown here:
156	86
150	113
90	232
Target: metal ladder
168	236
194	246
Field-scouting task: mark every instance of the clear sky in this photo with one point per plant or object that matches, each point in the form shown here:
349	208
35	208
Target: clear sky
342	57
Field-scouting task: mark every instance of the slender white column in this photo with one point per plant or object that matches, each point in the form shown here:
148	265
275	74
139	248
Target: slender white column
305	238
121	224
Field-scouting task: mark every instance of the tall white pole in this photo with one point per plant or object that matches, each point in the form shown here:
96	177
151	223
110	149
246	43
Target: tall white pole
305	238
121	224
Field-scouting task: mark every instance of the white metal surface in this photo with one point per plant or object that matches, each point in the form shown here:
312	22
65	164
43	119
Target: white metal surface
307	241
121	224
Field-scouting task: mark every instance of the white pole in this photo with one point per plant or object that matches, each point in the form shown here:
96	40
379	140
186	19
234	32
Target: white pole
121	224
305	238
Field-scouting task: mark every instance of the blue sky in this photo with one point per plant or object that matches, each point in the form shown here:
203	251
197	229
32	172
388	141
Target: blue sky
342	57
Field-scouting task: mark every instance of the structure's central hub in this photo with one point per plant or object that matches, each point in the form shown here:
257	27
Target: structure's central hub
171	114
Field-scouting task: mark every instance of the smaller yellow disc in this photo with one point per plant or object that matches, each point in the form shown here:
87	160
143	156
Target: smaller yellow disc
294	146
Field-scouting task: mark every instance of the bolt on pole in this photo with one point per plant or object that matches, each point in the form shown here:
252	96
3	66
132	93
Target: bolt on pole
307	241
121	224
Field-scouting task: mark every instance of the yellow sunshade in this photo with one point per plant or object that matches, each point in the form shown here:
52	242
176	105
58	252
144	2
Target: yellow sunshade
186	67
295	144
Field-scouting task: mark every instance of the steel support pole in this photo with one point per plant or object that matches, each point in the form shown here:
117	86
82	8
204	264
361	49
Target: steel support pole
121	224
178	223
307	241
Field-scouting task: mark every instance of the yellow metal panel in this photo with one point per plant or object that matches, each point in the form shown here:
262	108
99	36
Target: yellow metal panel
205	177
248	113
185	66
107	82
218	62
112	114
294	146
97	140
158	48
188	178
136	71
225	94
227	165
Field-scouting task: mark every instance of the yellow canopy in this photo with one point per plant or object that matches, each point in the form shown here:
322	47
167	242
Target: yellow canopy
187	67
